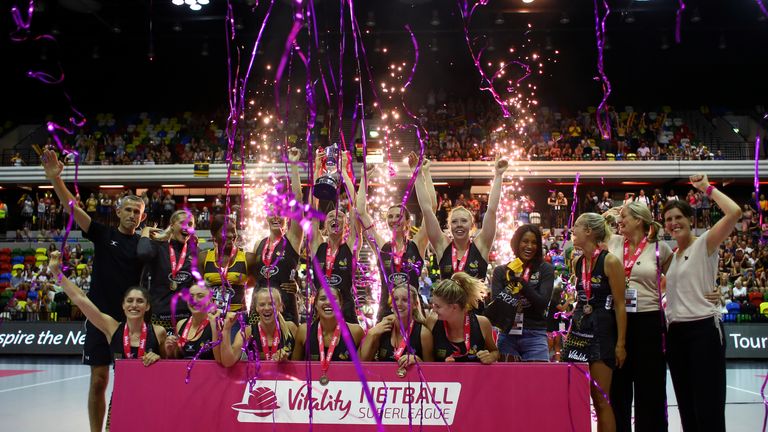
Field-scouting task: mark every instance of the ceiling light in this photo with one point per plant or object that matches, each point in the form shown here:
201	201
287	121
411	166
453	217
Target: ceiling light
527	1
696	16
564	19
203	2
177	2
196	199
499	19
371	22
195	7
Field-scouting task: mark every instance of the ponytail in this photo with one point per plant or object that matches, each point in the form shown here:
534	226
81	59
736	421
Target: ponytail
461	289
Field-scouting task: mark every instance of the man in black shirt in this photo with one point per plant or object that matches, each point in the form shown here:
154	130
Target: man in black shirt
115	269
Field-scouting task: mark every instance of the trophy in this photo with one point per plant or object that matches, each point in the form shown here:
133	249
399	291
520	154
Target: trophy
328	182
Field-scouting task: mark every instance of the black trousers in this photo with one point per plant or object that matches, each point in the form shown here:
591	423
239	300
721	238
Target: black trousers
696	358
643	377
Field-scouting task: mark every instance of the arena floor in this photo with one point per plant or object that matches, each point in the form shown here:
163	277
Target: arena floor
49	393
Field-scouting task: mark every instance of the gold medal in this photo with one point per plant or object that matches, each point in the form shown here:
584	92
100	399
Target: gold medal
174	285
401	372
324	380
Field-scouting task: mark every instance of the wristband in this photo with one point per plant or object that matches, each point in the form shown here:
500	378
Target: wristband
710	188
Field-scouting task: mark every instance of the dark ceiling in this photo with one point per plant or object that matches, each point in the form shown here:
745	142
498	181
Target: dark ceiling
127	56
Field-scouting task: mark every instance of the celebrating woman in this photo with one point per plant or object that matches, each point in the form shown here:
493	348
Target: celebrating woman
325	331
385	341
696	346
458	333
278	255
401	259
232	266
521	292
167	265
272	335
598	330
462	253
132	339
644	375
195	331
335	254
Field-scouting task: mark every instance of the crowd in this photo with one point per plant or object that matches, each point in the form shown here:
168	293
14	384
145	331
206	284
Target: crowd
467	130
33	294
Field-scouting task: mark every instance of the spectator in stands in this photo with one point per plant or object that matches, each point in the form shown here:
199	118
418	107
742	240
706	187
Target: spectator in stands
169	206
671	196
605	204
561	209
643	199
551	203
695	347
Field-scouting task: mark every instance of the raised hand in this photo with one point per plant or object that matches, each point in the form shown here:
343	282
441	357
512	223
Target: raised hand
501	165
51	164
294	154
54	263
699	181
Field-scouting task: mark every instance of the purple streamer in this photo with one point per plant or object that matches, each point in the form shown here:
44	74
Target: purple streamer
757	180
762	7
603	121
678	20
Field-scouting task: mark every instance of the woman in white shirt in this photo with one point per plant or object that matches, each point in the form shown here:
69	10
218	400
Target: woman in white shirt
695	343
644	374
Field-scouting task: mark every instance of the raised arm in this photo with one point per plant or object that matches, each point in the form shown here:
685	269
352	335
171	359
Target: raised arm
421	238
731	212
484	239
317	238
102	321
53	168
436	236
350	187
361	204
230	350
295	233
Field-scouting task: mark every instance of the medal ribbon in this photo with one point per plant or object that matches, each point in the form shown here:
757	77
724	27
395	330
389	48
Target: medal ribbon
402	345
397	257
629	262
586	275
127	341
185	333
325	359
269	353
266	256
176	266
458	265
457	353
225	269
330	259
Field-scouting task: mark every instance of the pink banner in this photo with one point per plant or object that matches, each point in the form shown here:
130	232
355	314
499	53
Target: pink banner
458	397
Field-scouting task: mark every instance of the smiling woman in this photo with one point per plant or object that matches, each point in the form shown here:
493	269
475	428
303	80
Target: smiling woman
522	291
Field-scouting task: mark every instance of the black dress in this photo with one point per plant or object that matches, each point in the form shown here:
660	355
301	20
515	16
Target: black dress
116	343
410	270
386	351
340	353
286	343
341	278
476	266
282	269
593	336
444	347
190	348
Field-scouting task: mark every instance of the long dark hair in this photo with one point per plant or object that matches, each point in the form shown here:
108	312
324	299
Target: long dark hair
148	298
517	237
